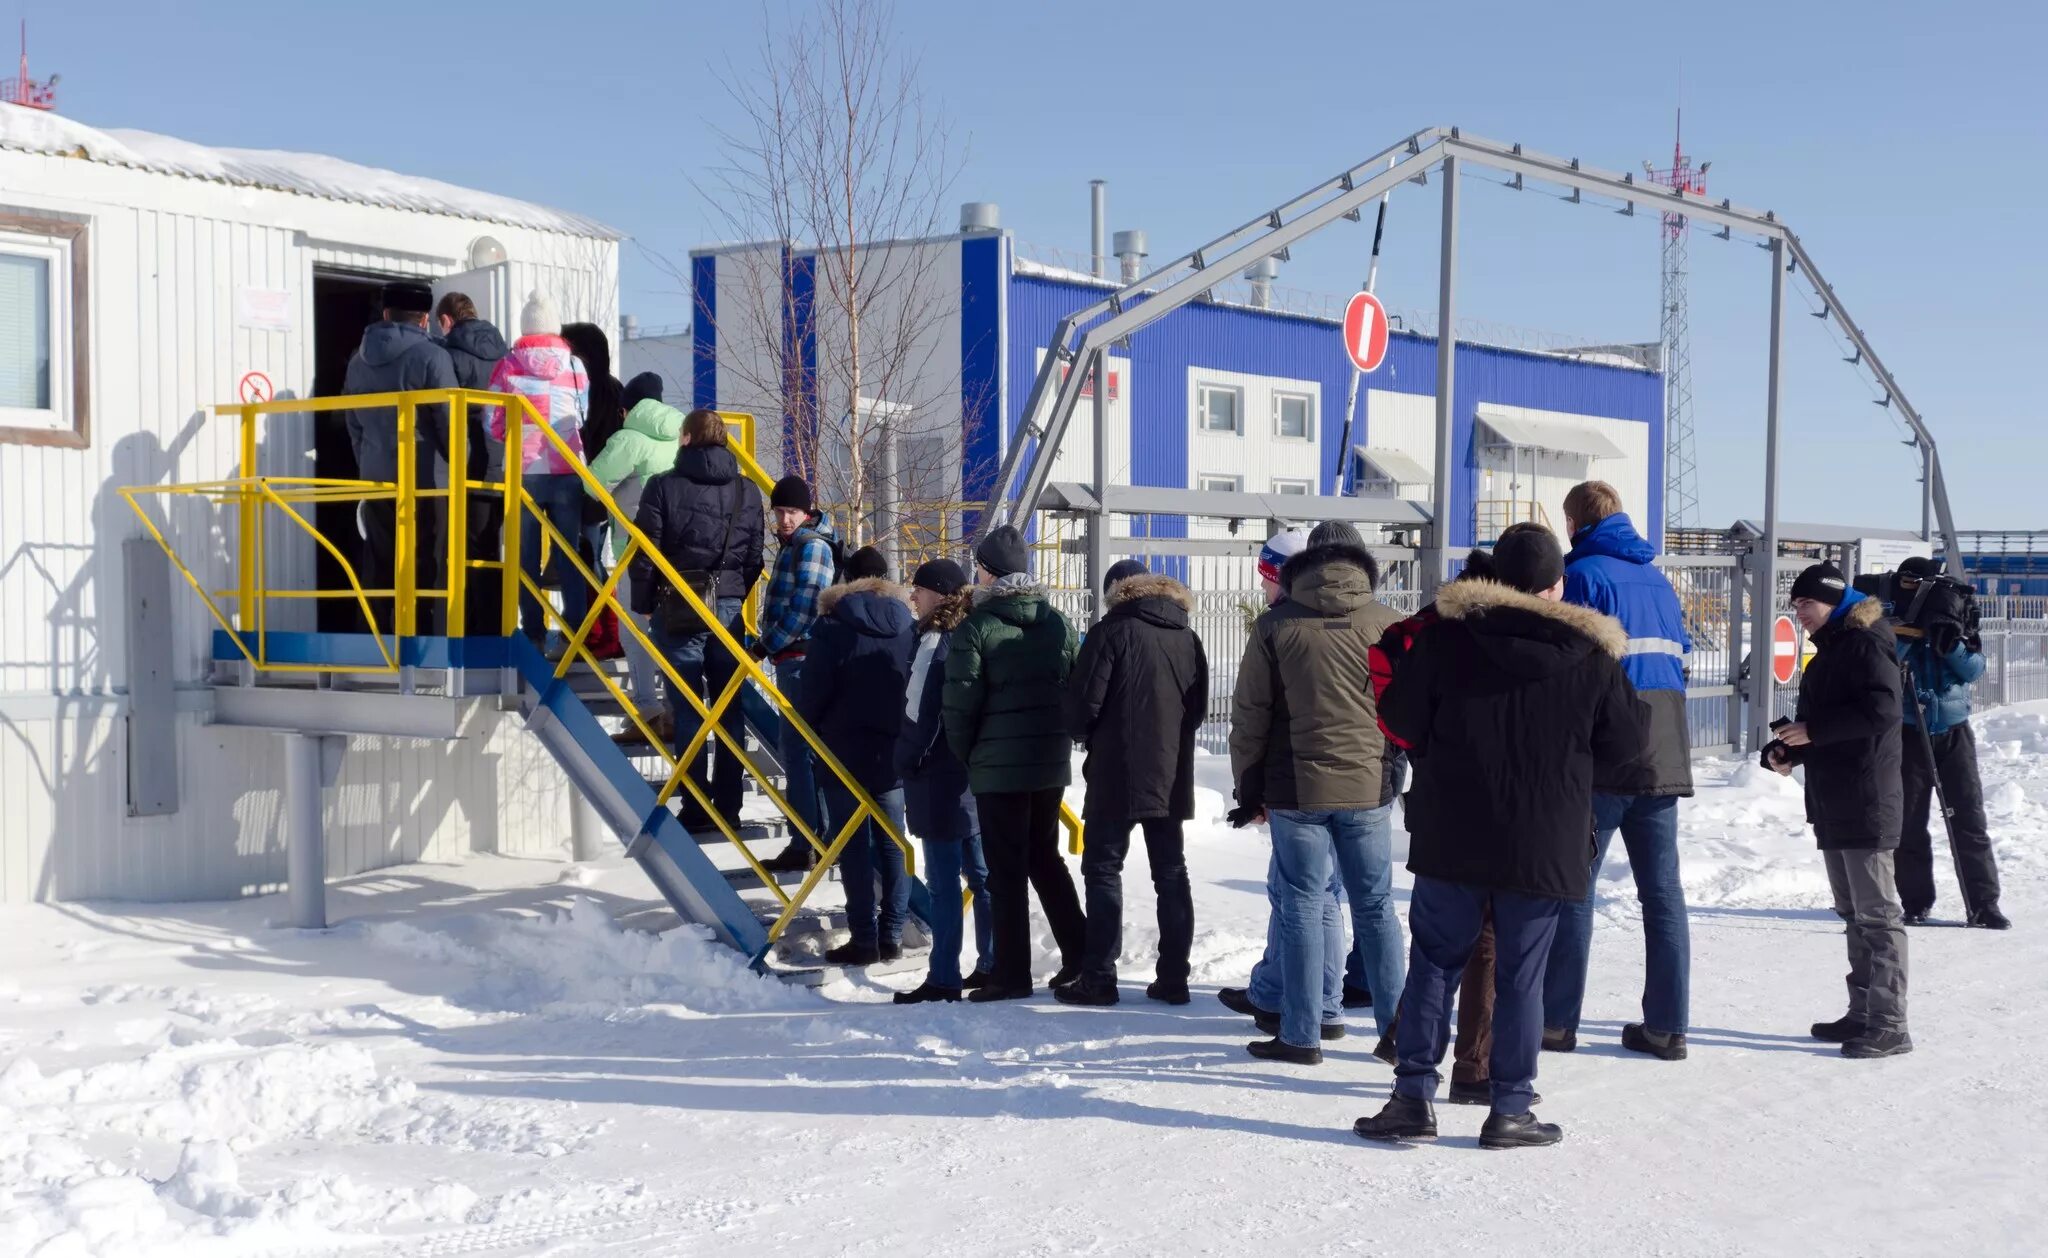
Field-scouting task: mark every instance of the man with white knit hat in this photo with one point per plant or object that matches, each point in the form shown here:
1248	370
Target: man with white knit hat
541	367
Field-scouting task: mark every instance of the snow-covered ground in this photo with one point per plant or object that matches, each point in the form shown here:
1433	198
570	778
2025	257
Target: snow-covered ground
498	1057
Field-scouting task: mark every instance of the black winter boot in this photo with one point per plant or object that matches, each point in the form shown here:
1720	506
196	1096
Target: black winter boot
1990	918
1239	1000
1066	974
980	978
1517	1131
1878	1044
927	992
891	951
1402	1118
993	991
1357	997
1086	991
797	858
1840	1031
1270	1024
1481	1094
1169	993
1665	1045
850	953
1277	1049
1558	1040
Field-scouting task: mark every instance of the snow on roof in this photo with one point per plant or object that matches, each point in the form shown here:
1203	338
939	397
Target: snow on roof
307	174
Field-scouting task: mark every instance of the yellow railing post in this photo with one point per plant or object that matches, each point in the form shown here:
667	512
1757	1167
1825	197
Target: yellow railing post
457	583
405	568
251	524
515	517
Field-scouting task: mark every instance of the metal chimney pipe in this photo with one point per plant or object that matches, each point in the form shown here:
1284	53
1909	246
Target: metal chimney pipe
1098	227
1261	275
1130	250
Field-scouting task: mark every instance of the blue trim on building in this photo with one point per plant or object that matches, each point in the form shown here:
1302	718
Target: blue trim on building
800	342
704	333
984	270
362	650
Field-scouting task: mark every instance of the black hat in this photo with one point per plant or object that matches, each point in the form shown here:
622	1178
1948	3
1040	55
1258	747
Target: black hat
940	576
1919	568
1122	569
1530	560
407	297
1478	567
791	491
1002	551
867	562
1822	583
1335	533
645	387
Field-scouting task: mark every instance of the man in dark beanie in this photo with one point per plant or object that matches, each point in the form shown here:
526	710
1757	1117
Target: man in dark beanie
1509	676
1005	673
1121	570
867	563
805	565
1847	734
397	355
1139	692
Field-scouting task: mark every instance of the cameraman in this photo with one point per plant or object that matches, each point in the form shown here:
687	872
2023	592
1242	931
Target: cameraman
1944	657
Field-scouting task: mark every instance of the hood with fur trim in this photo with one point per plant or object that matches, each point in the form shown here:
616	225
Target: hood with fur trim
874	606
1335	579
1152	585
1528	636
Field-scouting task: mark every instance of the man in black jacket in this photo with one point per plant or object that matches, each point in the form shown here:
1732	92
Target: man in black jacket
1848	736
1138	693
474	347
1509	705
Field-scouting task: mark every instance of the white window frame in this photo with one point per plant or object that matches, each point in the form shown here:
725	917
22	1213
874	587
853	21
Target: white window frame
1308	402
1202	394
1219	483
1292	485
63	243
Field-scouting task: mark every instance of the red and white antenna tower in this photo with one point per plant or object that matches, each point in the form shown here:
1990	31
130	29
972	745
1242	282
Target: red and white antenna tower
1681	469
25	91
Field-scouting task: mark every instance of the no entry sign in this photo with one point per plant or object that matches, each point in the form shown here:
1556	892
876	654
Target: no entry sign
254	387
1784	650
1365	332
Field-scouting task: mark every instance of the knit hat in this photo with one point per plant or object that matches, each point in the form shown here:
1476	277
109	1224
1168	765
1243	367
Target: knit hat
791	491
1121	570
1822	583
538	316
1336	533
1530	559
1478	567
645	387
1278	549
941	576
407	297
1919	568
1002	551
867	562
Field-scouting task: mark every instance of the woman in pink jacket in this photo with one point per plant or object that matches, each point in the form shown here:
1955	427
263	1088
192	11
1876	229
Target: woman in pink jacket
541	368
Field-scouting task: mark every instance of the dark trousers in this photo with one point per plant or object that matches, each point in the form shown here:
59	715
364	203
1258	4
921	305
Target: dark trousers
1020	835
1445	920
380	563
1471	1058
481	614
1955	758
1102	873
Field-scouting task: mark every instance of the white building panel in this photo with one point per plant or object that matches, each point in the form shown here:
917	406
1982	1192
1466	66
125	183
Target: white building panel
1275	443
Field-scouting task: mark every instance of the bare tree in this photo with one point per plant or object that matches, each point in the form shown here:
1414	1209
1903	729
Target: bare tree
836	169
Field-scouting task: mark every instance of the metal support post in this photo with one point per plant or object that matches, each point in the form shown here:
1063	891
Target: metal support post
1436	554
1098	520
1761	682
1926	495
586	827
305	842
1736	610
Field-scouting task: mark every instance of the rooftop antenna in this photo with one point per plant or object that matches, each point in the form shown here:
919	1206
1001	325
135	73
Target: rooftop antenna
1681	467
25	91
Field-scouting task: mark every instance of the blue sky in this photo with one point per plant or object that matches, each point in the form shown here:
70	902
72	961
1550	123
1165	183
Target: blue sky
1903	142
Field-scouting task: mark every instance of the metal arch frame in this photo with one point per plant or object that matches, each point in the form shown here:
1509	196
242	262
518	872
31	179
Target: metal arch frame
1134	307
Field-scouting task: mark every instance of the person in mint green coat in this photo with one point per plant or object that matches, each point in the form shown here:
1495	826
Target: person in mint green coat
637	453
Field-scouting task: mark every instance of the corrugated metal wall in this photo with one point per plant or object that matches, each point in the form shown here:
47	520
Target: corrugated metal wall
167	258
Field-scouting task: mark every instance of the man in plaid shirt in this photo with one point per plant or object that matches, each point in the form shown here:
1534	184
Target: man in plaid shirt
804	566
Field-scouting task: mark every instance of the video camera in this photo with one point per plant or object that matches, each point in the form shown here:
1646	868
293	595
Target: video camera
1935	606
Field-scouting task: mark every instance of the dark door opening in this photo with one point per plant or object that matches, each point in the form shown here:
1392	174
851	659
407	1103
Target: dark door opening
343	305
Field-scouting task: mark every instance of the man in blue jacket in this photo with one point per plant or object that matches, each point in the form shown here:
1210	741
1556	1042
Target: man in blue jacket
1610	570
1944	662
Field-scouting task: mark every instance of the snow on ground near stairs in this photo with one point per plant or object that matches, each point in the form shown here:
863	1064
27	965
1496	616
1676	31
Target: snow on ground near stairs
472	1063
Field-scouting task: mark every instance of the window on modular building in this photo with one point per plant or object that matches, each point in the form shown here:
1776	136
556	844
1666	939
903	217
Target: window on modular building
1222	408
1291	487
42	349
1294	416
1213	483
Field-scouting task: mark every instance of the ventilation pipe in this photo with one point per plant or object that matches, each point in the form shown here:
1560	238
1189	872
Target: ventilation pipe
1098	228
980	216
1261	275
1130	250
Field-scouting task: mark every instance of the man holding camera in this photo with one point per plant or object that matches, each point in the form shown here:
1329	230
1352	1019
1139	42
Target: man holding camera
1943	656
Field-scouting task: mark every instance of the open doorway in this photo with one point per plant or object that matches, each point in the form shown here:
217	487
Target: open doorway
344	304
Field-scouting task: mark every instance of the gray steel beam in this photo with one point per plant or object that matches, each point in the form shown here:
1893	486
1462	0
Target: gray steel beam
1436	553
340	712
305	840
1209	504
1570	173
1098	523
1762	686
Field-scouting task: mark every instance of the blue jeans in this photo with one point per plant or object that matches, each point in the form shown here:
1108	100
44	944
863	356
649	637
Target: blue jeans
1649	830
1359	844
870	856
560	498
800	781
946	861
1445	919
706	670
1268	982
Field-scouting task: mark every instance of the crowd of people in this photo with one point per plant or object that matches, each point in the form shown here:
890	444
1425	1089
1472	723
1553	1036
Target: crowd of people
1529	715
